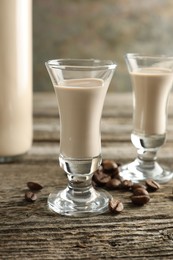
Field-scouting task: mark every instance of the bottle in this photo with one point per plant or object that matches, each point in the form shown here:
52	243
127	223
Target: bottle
15	78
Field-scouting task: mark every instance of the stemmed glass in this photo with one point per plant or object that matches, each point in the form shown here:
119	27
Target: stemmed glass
152	78
80	86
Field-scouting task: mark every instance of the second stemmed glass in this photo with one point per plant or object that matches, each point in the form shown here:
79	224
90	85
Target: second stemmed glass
80	87
152	78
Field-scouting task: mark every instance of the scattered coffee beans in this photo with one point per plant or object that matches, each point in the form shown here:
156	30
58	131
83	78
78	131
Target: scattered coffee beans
152	185
34	186
115	206
107	176
30	196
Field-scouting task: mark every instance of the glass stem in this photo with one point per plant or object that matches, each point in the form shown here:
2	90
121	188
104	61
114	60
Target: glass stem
79	186
147	155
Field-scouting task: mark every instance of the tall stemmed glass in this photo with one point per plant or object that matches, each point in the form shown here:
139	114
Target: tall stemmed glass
80	87
152	79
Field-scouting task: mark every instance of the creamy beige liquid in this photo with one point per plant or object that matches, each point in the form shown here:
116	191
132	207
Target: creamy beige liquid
15	77
151	89
80	104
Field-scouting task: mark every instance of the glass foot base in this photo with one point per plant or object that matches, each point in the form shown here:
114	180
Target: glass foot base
66	204
139	171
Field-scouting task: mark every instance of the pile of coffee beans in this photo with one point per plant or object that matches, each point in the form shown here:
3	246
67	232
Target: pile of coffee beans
107	177
31	194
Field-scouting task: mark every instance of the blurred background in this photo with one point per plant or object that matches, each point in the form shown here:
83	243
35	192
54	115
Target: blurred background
102	29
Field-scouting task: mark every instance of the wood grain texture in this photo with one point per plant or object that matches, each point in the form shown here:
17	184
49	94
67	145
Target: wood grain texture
30	231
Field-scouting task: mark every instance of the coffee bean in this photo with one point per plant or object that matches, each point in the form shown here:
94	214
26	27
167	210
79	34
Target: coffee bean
30	196
126	184
140	197
140	200
152	185
100	178
115	206
140	191
110	167
136	186
34	186
113	184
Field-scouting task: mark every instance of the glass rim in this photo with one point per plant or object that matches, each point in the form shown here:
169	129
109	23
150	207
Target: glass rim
83	64
147	56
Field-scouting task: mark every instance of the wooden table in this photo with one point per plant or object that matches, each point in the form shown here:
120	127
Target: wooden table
30	231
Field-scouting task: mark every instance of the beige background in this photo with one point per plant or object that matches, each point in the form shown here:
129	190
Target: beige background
104	29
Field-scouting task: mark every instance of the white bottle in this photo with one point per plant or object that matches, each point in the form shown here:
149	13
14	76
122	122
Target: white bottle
15	78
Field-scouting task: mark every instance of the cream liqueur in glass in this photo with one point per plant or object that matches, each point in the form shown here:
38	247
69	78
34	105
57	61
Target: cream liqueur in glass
152	79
